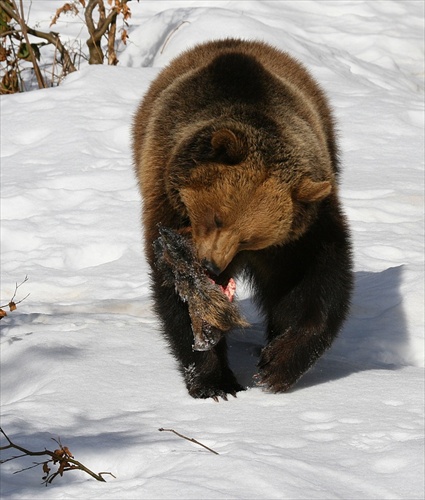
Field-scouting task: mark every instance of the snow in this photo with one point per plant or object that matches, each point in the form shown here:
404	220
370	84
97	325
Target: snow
82	358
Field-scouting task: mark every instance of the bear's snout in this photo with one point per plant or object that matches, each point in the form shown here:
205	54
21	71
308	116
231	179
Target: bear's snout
215	249
211	267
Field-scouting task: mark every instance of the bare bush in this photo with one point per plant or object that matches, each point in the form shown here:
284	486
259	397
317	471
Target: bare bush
16	50
61	458
101	21
19	53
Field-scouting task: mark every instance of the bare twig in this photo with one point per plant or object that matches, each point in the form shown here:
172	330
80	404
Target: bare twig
54	39
21	21
192	440
16	289
12	304
62	457
112	31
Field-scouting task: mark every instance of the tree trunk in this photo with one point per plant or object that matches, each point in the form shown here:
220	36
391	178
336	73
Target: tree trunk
95	51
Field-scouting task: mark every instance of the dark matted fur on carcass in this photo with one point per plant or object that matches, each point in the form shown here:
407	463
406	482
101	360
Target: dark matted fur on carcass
210	310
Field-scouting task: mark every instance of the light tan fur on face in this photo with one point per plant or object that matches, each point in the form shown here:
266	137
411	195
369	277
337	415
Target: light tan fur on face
228	217
232	214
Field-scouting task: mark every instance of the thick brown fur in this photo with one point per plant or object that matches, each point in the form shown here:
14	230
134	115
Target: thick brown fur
235	142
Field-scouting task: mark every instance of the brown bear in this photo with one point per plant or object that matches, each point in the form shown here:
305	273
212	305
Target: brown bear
234	145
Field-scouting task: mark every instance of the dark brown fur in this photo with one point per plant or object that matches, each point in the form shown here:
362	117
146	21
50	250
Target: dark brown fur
234	141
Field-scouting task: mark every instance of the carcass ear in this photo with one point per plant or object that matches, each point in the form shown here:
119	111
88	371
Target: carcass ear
309	191
228	147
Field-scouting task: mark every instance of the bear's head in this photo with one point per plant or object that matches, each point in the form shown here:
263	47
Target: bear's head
237	202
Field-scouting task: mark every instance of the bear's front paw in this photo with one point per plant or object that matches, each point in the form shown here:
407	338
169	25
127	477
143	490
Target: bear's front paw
211	386
209	391
277	369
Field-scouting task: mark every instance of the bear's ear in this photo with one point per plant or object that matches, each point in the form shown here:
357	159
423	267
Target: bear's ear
228	147
309	191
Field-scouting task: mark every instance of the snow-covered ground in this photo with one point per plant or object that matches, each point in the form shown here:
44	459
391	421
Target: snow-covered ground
82	358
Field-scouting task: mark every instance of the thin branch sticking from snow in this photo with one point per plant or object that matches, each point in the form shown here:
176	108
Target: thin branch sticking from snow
192	440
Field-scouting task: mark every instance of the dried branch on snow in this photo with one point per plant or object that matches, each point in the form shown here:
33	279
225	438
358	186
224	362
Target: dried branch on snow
12	305
62	458
192	440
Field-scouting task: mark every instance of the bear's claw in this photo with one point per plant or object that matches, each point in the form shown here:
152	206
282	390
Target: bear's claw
214	392
211	385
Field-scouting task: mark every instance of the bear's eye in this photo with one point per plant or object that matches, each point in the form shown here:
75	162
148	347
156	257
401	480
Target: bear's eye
218	222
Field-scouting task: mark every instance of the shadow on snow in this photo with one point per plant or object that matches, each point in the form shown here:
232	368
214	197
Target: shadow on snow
373	337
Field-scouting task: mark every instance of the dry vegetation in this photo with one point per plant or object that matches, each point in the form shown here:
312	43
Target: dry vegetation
61	459
22	46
